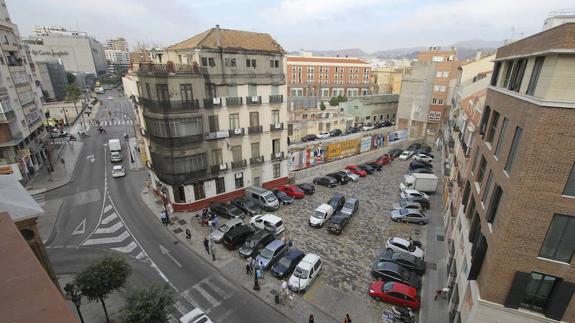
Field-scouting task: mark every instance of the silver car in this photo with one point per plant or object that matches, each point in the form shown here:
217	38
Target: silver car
350	206
352	176
218	234
409	215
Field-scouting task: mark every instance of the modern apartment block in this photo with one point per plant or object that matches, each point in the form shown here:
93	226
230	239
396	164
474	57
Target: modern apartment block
120	44
214	117
512	219
23	137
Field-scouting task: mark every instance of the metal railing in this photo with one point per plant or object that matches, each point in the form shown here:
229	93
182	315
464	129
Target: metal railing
176	141
236	132
239	164
253	100
277	126
234	101
256	160
276	98
216	169
155	106
212	103
255	129
277	156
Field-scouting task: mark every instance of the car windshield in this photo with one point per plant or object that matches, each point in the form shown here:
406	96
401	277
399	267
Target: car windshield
235	210
250	243
318	214
249	203
387	287
404	212
297	189
281	194
224	228
285	262
269	197
267	253
300	273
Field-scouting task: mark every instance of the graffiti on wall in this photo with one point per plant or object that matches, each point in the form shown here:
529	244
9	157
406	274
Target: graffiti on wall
400	134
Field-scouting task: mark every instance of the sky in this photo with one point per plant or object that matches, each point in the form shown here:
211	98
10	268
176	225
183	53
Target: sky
296	24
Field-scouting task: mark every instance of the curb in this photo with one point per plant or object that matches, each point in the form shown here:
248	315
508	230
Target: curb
52	234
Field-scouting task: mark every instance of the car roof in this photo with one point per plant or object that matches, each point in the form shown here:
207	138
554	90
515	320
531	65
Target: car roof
324	208
386	265
307	261
233	221
239	230
260	234
337	196
268	217
411	191
351	200
275	244
404	289
117	167
338	218
294	253
400	241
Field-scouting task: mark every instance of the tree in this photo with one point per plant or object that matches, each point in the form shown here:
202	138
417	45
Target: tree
45	95
322	106
334	102
102	277
73	294
71	77
73	94
150	305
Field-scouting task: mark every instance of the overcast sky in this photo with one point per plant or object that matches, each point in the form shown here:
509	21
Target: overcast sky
296	24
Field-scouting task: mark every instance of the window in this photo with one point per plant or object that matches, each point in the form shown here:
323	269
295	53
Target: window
494	205
436	88
465	197
559	242
275	90
495	74
513	150
535	75
162	92
148	92
484	119
213	123
487	187
434	101
230	62
211	62
438	74
255	148
437	59
481	171
186	92
296	92
232	91
517	75
199	192
254	119
239	179
275	117
204	61
493	127
217	158
237	153
508	68
211	90
220	185
445	74
324	92
538	291
234	120
276	146
251	63
252	90
274	63
277	170
569	189
501	135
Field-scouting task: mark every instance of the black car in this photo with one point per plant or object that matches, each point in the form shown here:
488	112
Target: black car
337	223
335	133
389	271
247	205
395	152
352	130
227	211
406	260
421	200
414	146
255	242
283	197
325	181
422	171
237	236
308	138
336	202
430	155
307	188
376	166
415	164
341	178
284	267
387	123
368	169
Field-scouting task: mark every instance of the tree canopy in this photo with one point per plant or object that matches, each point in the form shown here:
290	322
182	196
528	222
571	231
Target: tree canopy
73	93
149	305
334	102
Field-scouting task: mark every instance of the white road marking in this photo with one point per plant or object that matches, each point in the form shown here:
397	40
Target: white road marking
221	293
111	229
127	249
82	230
207	296
109	218
186	295
166	252
141	256
117	239
91	158
107	208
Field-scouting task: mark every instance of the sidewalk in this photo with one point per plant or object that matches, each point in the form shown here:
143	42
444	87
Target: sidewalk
135	160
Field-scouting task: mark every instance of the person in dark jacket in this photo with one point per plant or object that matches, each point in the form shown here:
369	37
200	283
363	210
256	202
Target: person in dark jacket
207	245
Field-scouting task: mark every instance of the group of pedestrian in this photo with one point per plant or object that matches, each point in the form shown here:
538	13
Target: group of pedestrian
165	217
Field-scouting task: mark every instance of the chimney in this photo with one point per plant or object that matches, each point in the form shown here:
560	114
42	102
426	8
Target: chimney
478	55
218	40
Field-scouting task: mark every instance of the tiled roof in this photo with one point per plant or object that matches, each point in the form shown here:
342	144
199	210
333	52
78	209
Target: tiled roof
376	99
348	60
230	39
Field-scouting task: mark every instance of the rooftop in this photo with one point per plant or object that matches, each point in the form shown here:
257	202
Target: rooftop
557	39
314	59
375	99
17	201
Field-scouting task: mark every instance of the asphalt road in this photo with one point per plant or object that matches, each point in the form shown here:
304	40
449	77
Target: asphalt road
103	215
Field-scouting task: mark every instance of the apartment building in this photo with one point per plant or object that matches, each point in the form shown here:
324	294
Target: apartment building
23	137
119	44
388	79
511	224
371	108
214	117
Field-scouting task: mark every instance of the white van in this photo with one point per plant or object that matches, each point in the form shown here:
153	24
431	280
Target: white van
195	316
305	273
320	215
265	198
268	221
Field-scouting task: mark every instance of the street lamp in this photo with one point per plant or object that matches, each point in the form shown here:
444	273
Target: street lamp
73	294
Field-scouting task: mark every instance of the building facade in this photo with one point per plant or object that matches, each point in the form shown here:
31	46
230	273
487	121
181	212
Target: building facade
371	108
23	137
511	224
53	79
214	117
119	44
388	79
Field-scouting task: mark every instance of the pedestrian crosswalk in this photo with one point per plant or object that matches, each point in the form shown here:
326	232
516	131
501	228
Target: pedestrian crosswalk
107	122
40	198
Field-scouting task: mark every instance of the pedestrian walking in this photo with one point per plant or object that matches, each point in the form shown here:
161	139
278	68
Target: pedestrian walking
284	292
347	319
213	250
249	266
164	217
261	265
207	245
311	320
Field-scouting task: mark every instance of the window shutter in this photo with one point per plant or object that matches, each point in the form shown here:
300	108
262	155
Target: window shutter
477	258
517	290
559	300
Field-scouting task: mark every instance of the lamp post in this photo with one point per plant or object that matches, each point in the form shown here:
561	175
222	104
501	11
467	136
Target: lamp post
73	294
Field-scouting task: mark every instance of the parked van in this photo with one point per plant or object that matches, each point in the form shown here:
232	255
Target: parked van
256	242
270	222
265	198
269	255
321	215
237	236
305	273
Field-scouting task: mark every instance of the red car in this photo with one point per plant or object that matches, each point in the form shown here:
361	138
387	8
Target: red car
395	293
356	170
384	159
293	191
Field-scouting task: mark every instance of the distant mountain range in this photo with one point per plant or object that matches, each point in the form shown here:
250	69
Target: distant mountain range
465	49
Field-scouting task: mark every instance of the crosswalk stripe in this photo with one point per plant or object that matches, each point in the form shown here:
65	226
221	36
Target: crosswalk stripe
127	249
224	282
111	229
107	208
181	308
221	293
207	296
141	256
186	295
117	239
109	218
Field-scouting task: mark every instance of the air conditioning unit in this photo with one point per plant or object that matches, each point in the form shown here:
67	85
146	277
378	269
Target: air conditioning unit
278	155
216	100
223	166
255	98
278	125
238	131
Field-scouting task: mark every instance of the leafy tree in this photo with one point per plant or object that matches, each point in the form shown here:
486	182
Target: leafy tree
73	93
45	95
71	77
322	106
102	277
150	305
334	102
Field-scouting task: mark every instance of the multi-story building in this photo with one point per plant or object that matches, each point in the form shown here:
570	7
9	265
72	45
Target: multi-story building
315	121
371	108
512	224
53	79
214	117
119	44
117	57
23	137
388	79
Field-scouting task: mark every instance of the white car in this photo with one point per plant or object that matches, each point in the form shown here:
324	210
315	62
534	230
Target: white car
423	157
321	215
118	171
195	316
367	127
305	273
323	135
352	176
406	193
110	98
402	245
406	155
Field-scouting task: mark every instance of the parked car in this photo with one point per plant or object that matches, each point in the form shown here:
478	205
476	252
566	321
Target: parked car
268	256
375	165
395	293
395	152
285	266
409	216
247	205
335	133
423	157
387	123
110	98
350	206
368	126
321	215
255	242
118	171
352	130
406	155
421	171
218	234
323	135
425	152
384	159
235	237
356	170
419	164
268	221
414	146
57	133
337	201
308	138
337	223
339	177
283	197
227	210
368	169
413	193
325	181
292	191
265	198
306	271
402	245
406	260
351	175
307	188
418	199
405	204
388	271
424	149
195	316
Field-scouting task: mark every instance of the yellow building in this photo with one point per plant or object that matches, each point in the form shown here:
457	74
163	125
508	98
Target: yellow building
388	79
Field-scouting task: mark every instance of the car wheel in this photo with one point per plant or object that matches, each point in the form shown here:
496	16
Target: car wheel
377	298
421	222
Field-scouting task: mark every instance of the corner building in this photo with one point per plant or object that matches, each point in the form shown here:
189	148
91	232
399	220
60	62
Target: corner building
215	117
512	246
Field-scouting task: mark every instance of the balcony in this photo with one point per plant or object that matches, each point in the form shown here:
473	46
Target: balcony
7	116
278	156
254	161
238	132
234	101
255	129
147	68
276	98
176	141
466	149
216	169
277	126
253	100
155	106
212	103
217	135
239	164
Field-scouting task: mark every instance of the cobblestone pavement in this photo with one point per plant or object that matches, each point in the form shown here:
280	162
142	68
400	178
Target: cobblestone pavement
349	256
